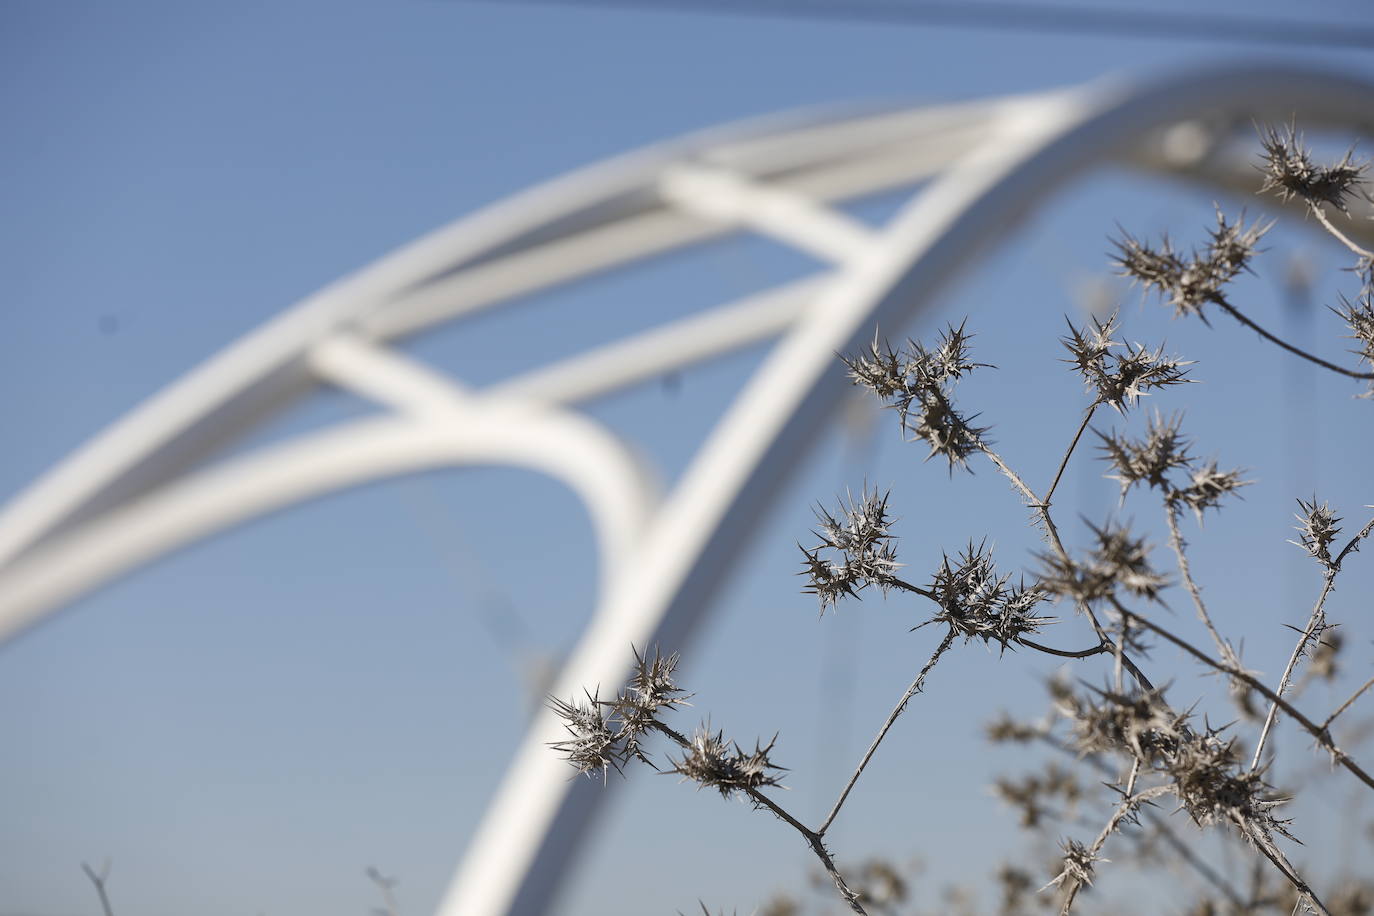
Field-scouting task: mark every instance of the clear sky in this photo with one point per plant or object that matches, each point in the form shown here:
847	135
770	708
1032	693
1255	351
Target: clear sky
244	727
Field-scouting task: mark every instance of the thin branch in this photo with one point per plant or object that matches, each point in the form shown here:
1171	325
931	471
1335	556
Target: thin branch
1315	623
1271	852
98	879
1064	463
1176	541
1338	234
897	710
1237	314
914	589
1063	653
1354	543
1346	705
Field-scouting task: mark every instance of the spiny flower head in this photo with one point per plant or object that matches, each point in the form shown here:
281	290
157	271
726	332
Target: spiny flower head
607	734
1117	560
1117	372
1359	318
918	383
855	549
1005	729
1077	866
1207	485
712	761
1317	527
1215	789
1289	171
1150	460
976	601
592	746
634	711
1137	722
1031	793
1189	281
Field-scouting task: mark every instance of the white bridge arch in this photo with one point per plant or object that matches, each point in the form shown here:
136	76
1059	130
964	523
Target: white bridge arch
147	486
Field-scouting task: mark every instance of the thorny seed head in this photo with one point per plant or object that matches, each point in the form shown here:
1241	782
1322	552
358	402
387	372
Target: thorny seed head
948	432
592	747
1316	529
1289	171
1148	461
607	734
1140	723
975	601
1203	770
855	549
1077	865
1005	729
1164	450
1359	318
712	761
1120	378
1216	789
1118	560
634	711
1207	486
1189	281
1034	794
918	383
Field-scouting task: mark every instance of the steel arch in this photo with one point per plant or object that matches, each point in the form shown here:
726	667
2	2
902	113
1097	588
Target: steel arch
143	488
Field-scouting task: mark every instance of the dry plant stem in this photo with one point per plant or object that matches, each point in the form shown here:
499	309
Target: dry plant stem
1347	704
1123	811
897	710
1337	234
1235	313
914	589
99	881
1315	623
815	839
1176	541
1275	855
1068	453
1322	736
1062	653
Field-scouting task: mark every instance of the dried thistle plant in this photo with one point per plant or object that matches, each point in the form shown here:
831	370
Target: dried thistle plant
1141	748
918	383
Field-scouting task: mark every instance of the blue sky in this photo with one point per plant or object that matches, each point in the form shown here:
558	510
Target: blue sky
245	726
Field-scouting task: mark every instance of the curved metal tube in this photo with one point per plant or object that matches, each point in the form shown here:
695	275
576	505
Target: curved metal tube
616	490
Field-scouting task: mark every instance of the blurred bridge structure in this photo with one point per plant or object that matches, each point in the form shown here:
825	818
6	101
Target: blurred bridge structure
157	480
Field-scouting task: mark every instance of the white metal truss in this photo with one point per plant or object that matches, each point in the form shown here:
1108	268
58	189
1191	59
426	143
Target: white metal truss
147	485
